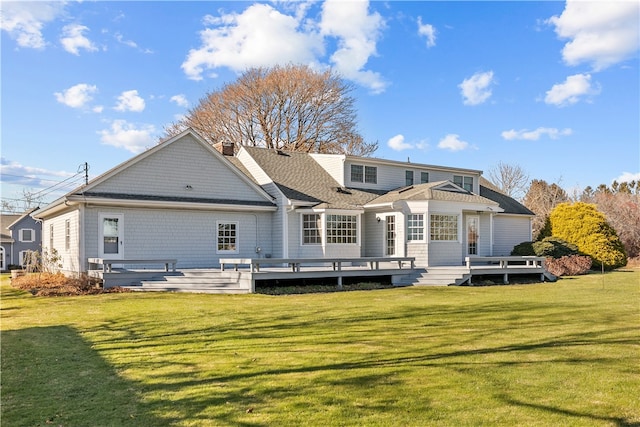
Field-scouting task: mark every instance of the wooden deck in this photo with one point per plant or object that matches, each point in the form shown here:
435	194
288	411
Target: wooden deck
245	272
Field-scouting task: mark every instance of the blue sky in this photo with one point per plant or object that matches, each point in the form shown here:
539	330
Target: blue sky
552	87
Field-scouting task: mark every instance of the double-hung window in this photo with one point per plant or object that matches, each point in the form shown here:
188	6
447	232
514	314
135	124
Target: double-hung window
465	182
311	229
367	174
424	177
227	237
408	178
342	229
415	227
27	235
67	234
443	228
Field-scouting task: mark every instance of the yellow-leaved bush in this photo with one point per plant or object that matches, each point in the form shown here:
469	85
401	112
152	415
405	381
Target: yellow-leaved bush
587	228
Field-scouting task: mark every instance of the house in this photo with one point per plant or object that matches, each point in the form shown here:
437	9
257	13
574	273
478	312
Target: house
185	200
20	234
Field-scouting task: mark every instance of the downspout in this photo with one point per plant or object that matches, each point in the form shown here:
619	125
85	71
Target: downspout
81	247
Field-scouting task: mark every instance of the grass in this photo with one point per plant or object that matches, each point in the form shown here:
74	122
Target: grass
564	353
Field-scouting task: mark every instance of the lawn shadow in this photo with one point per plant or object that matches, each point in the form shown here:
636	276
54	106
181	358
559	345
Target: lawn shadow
50	375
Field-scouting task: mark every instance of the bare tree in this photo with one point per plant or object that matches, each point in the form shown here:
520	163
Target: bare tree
285	107
512	180
541	198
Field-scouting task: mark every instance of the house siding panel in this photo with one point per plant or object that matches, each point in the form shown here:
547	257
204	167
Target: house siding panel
510	231
170	170
188	236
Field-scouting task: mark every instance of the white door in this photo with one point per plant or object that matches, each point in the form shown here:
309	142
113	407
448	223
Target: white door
111	230
473	234
390	235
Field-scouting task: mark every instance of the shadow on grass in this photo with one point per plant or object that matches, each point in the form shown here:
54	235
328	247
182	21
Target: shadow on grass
616	421
50	375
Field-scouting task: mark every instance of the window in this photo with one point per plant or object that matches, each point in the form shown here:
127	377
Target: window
342	229
27	235
1	258
50	237
357	174
444	228
371	174
465	182
391	235
23	258
67	234
311	229
424	177
368	174
415	227
227	237
408	177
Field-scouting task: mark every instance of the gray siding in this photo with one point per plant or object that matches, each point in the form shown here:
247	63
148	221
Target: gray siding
13	257
510	230
188	236
169	170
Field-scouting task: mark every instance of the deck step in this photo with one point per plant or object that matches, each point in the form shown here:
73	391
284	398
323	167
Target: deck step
195	281
436	277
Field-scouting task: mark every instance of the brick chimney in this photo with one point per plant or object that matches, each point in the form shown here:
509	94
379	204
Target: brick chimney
227	149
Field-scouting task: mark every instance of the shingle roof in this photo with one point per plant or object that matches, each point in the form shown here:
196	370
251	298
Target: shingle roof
509	204
300	178
440	190
5	222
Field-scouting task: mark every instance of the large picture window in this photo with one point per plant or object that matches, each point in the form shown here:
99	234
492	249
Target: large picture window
415	227
342	229
227	237
444	228
311	229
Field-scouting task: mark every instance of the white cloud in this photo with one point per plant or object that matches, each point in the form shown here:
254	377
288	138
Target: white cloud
397	143
263	36
571	91
628	177
130	101
357	32
534	135
475	90
24	21
126	135
602	33
180	100
259	36
428	31
452	142
73	39
77	96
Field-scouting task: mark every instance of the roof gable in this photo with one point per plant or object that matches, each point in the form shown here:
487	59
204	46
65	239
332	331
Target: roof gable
184	166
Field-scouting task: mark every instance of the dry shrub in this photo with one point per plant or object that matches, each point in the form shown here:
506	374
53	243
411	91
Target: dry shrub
57	284
570	265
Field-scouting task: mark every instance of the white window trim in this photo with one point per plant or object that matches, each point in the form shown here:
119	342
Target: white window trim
459	232
325	230
237	249
425	228
67	234
21	235
321	229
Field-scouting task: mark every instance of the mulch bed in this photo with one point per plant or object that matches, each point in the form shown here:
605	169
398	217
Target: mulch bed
57	284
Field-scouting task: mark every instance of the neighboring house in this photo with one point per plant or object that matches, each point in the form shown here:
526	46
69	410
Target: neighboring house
185	200
20	234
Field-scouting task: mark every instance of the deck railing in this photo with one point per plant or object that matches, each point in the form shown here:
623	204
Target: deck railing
296	263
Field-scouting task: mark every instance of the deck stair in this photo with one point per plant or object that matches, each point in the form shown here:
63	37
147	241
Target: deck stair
436	276
196	281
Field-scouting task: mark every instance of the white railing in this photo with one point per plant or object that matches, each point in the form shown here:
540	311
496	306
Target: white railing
506	261
107	264
296	263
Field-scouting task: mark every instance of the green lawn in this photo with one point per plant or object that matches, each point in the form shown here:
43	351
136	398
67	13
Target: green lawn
564	353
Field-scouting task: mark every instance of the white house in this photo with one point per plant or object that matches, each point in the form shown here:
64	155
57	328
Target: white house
185	200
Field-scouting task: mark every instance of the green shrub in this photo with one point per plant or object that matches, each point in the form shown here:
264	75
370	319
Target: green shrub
554	247
584	226
523	249
545	231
